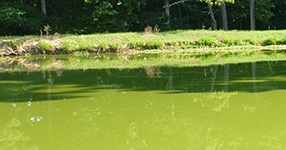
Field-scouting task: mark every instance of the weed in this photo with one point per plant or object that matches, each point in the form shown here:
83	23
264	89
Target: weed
83	46
270	41
250	41
115	46
10	44
137	44
103	46
153	44
148	29
66	46
228	42
45	46
156	28
282	41
207	42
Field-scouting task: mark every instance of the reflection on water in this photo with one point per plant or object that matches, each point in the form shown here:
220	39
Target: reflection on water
231	106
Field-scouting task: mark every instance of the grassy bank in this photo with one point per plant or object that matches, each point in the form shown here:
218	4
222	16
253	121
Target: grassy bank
124	42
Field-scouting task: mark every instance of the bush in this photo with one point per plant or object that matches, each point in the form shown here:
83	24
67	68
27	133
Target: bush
20	19
153	44
282	41
67	46
45	46
207	42
115	46
228	42
137	44
251	41
270	41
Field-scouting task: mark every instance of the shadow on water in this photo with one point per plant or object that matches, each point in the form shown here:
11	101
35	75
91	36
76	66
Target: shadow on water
60	84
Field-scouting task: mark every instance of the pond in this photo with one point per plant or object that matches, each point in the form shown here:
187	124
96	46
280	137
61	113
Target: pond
220	106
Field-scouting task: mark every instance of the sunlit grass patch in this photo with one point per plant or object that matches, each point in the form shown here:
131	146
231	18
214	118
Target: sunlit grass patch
45	46
118	42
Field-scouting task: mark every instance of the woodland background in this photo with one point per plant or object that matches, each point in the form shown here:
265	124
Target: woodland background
26	17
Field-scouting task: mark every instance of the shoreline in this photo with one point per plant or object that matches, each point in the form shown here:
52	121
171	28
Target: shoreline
190	40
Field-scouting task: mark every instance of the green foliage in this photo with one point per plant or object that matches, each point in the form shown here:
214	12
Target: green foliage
270	41
136	44
283	41
68	46
45	46
103	46
115	46
19	19
229	42
113	15
11	44
207	41
85	45
262	12
279	11
251	41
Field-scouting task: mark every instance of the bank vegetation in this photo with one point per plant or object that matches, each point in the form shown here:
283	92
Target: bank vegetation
151	39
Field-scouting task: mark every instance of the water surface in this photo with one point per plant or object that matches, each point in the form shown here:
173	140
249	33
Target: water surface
229	106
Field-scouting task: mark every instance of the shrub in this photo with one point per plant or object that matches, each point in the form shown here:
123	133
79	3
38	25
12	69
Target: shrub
251	41
45	46
66	46
103	46
228	42
137	44
153	44
83	45
270	41
115	46
19	18
207	42
282	41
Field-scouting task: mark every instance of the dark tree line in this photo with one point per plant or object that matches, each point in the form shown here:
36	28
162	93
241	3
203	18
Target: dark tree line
20	17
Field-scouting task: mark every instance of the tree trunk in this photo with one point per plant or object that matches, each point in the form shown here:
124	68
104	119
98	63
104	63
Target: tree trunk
214	78
170	80
43	7
252	17
226	77
254	85
167	12
214	24
224	16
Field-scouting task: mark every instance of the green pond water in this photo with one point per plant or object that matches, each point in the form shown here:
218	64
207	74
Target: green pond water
213	107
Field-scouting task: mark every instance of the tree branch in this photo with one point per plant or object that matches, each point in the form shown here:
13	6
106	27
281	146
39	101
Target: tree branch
175	3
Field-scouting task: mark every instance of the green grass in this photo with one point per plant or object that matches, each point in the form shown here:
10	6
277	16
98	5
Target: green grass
179	39
45	46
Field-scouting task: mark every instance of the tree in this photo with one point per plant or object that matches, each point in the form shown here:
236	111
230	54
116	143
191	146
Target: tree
224	16
252	17
19	19
43	7
223	13
167	12
279	11
114	15
263	13
214	23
